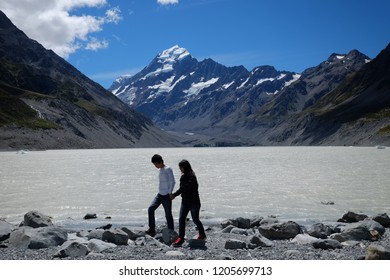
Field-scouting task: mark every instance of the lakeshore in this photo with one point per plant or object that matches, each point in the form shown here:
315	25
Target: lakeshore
357	237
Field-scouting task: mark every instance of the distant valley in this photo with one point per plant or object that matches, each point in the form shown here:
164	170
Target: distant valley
176	100
342	101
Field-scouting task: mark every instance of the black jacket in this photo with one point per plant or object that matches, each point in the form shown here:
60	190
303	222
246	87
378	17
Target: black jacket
188	188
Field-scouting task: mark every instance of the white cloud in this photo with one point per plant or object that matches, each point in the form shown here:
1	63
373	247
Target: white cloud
94	44
167	2
52	24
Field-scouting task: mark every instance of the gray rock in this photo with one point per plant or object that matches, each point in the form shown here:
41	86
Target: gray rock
285	230
98	246
116	236
259	241
377	252
95	234
228	222
240	231
320	230
383	219
364	230
351	217
37	238
196	243
303	239
256	222
372	226
21	237
76	237
268	221
133	233
234	244
227	229
72	249
243	222
360	232
174	254
327	244
238	222
36	219
90	216
169	236
5	230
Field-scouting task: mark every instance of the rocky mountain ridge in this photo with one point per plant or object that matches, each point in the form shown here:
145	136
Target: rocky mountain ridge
207	103
46	103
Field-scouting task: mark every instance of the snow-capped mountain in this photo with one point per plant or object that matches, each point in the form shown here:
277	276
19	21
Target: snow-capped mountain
175	87
233	106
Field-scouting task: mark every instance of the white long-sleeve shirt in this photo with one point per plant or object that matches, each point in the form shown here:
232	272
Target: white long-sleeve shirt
167	181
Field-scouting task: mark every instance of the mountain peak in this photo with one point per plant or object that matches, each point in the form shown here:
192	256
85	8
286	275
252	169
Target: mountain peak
173	54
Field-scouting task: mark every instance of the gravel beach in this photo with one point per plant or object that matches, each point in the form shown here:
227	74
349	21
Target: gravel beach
144	247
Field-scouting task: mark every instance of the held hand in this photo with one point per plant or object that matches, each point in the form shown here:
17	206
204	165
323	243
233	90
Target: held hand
171	196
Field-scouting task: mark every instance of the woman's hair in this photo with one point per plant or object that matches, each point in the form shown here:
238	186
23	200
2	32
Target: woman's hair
186	167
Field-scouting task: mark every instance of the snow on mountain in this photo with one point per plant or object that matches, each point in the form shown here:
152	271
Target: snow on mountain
170	56
198	87
179	92
175	84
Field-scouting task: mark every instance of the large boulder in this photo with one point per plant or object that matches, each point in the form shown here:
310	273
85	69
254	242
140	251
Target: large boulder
196	243
284	230
169	236
98	246
5	230
319	230
72	249
258	240
36	219
351	217
116	236
383	219
234	244
95	234
327	244
134	233
37	238
304	239
364	230
377	252
238	222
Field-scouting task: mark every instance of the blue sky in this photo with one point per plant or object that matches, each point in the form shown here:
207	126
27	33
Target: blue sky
108	38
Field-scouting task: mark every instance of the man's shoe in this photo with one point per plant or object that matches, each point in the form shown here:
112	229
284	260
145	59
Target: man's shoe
178	242
151	232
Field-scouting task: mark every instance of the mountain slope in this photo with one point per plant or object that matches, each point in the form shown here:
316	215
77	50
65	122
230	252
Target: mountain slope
182	94
361	101
46	103
217	105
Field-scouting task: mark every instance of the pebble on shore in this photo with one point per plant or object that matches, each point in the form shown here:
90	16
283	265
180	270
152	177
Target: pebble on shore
353	237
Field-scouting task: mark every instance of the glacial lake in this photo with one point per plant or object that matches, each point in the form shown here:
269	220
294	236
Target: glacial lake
303	184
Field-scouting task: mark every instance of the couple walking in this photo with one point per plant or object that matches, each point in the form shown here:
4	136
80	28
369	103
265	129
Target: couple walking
190	198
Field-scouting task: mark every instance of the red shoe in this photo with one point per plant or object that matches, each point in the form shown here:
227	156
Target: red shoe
201	237
178	242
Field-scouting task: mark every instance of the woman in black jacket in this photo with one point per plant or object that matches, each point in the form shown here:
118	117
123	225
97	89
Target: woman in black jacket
190	201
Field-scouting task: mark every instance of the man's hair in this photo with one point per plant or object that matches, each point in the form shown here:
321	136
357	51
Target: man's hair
157	159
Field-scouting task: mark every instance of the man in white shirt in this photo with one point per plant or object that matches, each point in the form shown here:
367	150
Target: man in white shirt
165	189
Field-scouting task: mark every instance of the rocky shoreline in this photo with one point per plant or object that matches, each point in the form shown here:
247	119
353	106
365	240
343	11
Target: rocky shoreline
352	237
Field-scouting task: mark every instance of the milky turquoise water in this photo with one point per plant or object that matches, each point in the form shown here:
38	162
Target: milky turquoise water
292	183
